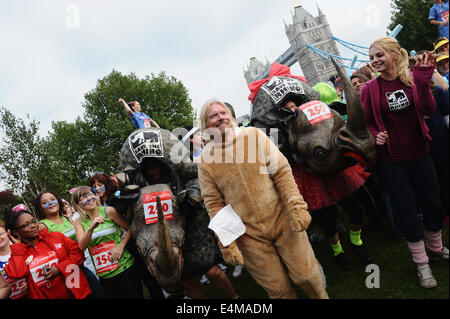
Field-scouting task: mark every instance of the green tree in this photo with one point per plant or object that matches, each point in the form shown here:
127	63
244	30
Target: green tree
70	148
23	156
417	33
71	152
163	98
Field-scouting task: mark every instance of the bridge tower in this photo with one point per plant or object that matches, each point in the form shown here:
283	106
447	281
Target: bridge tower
315	31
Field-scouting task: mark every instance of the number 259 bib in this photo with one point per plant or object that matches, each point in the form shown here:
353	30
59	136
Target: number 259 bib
150	209
38	266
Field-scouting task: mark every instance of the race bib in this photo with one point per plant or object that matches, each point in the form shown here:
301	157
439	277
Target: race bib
316	111
444	16
147	123
101	254
16	285
40	265
150	208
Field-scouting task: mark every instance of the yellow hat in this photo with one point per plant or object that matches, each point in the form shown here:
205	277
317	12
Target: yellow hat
441	57
440	43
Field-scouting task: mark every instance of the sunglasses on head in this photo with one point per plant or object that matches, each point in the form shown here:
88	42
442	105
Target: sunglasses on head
98	173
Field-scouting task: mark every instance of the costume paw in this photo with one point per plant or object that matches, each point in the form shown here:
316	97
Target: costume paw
232	255
299	216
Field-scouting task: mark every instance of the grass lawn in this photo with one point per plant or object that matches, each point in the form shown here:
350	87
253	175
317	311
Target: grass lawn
398	275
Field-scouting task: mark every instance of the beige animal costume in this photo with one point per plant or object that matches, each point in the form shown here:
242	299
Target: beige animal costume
257	181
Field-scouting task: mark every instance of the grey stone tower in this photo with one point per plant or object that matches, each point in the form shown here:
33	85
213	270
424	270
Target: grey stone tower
305	29
315	31
255	69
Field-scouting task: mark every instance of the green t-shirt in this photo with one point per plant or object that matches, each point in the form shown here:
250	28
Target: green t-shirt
105	237
65	227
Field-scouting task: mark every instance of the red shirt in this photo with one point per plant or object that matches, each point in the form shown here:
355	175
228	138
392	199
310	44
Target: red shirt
50	249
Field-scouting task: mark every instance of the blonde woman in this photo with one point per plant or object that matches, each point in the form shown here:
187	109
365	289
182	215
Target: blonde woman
99	229
395	105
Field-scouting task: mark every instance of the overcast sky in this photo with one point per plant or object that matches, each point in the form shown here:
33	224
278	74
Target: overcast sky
54	51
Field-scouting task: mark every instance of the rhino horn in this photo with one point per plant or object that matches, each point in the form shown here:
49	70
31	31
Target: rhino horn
165	259
356	121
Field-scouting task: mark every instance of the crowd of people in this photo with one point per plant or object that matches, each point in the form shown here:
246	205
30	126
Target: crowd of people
83	248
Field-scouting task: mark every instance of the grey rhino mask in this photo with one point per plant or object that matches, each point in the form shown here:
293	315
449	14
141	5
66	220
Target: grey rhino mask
159	243
326	147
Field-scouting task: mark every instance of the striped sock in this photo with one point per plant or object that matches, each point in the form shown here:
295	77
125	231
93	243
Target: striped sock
418	252
433	241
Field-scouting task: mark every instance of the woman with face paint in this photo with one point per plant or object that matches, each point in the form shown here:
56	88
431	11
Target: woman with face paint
48	260
50	213
105	188
102	186
99	230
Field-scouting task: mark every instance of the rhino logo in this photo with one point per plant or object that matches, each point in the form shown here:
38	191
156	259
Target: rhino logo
278	88
146	143
397	100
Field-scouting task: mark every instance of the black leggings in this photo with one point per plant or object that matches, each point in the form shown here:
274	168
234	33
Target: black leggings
408	183
327	217
126	285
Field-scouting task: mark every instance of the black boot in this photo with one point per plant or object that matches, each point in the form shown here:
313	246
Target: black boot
362	253
343	262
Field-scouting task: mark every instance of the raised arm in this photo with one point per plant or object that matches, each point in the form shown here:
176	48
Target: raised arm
125	105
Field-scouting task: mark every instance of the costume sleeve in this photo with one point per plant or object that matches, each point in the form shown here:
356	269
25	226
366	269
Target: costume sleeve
425	100
281	173
211	195
279	169
74	254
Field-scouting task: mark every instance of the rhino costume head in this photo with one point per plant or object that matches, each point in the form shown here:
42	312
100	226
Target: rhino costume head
159	238
315	136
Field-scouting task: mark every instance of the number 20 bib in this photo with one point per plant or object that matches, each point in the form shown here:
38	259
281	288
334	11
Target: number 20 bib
150	209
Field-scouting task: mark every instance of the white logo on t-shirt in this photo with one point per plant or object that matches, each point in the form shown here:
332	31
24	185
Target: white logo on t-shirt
397	100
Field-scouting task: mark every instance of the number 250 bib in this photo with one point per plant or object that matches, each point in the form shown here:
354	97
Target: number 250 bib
150	209
101	254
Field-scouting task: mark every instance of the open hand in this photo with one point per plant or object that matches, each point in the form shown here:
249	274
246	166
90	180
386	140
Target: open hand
426	60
